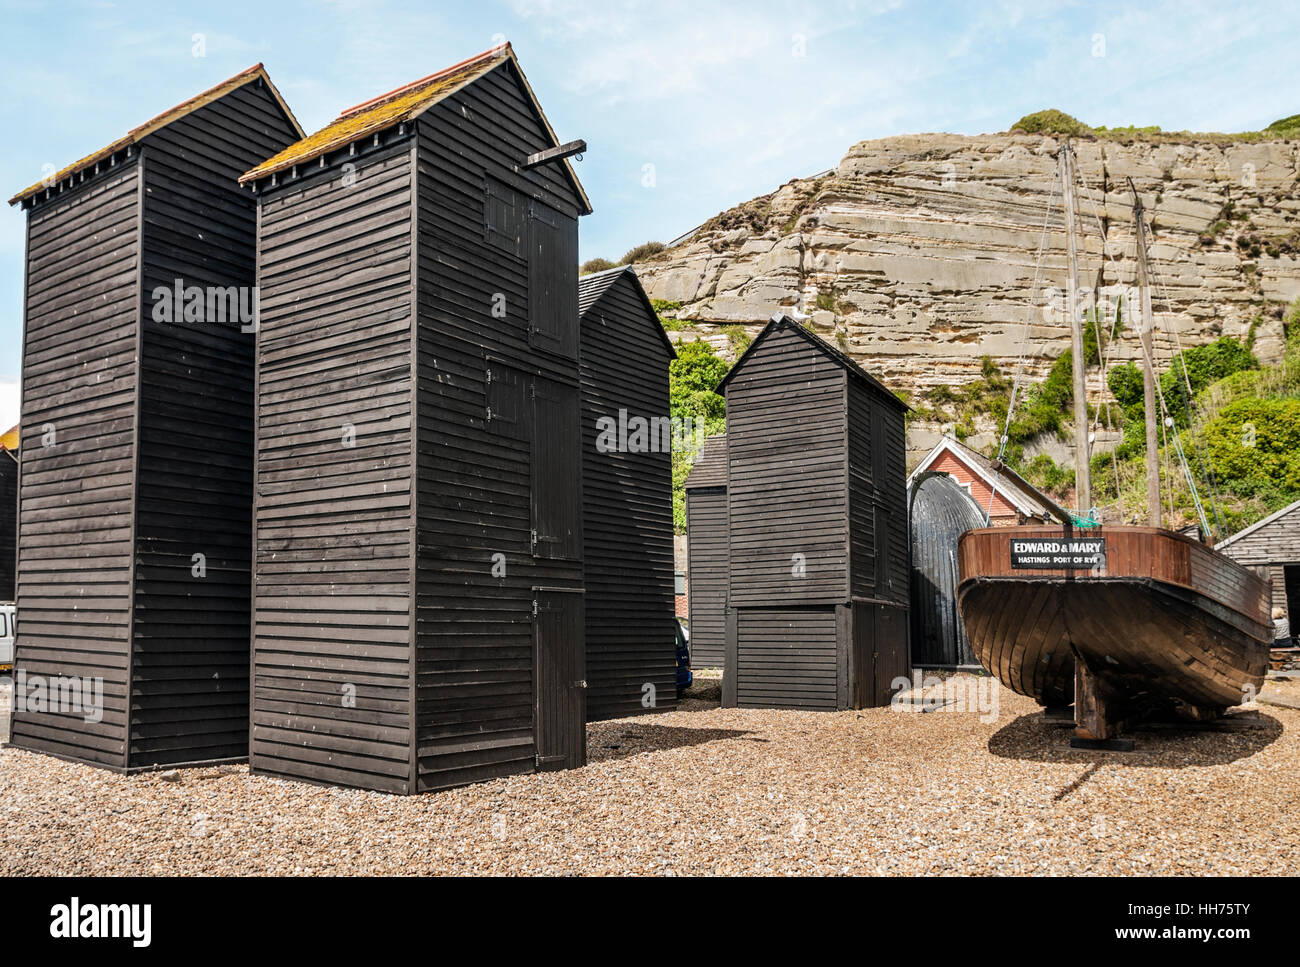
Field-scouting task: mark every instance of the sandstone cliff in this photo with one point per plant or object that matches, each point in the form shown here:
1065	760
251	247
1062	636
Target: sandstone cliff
917	254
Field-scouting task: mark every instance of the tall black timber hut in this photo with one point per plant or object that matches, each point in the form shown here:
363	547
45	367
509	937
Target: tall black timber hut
418	586
817	525
941	510
707	553
627	498
135	481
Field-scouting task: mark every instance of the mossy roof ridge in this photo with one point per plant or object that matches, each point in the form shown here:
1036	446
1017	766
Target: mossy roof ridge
137	134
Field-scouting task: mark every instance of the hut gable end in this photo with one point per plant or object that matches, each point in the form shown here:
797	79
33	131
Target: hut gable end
509	118
786	464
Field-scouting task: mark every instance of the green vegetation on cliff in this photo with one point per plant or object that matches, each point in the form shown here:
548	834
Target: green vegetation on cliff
692	378
1052	121
1239	426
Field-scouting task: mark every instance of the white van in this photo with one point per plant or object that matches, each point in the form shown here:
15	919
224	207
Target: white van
7	636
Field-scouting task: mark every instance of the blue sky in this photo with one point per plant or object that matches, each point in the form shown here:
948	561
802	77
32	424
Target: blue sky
725	100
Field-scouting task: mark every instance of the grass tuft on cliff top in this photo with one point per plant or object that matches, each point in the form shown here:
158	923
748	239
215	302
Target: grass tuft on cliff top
1052	121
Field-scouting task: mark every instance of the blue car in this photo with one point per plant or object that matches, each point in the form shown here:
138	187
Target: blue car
684	676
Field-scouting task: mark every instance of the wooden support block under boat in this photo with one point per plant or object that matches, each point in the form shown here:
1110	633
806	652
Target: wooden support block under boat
1162	619
1096	710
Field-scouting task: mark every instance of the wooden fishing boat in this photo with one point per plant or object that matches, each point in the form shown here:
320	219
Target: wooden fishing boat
1124	621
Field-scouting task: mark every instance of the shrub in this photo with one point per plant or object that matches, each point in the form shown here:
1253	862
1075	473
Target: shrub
738	339
1046	474
1285	126
1203	365
693	377
1051	122
1253	449
642	252
594	265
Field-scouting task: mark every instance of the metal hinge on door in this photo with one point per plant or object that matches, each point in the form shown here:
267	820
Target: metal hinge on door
534	550
578	684
534	607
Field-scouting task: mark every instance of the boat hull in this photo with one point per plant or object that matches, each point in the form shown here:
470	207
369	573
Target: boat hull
1158	618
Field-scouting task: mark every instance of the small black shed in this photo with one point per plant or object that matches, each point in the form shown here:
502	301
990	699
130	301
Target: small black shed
941	511
817	525
627	498
418	580
707	553
135	486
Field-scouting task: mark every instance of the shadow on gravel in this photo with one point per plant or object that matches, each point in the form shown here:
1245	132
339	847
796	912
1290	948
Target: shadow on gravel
703	695
1030	739
633	738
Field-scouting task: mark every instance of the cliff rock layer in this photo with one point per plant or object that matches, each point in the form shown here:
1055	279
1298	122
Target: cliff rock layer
917	254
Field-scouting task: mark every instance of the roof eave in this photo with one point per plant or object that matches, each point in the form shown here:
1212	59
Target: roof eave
840	359
1247	531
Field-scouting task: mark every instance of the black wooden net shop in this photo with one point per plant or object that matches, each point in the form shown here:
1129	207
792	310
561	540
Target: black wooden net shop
136	470
627	498
707	553
418	579
817	524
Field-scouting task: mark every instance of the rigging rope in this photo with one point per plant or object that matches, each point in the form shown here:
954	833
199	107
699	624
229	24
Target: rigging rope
1024	345
1189	400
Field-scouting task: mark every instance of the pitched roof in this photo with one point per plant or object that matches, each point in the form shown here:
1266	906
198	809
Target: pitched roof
162	120
843	360
1019	492
402	105
1276	515
592	287
710	467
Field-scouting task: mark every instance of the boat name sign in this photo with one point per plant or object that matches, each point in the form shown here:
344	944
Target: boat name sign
1057	553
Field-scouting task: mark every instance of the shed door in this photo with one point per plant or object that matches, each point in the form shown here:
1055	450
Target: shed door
559	670
553	281
556	471
890	646
880	652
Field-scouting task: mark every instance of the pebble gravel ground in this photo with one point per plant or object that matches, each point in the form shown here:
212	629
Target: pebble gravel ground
706	790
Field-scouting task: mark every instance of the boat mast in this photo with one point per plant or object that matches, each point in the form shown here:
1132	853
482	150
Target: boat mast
1082	485
1145	327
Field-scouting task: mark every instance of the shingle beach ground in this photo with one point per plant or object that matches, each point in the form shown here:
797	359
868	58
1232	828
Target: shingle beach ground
705	790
